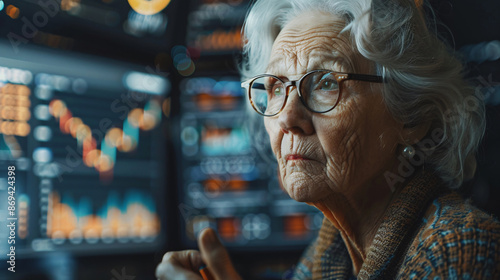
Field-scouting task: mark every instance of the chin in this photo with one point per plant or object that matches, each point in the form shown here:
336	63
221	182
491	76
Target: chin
302	192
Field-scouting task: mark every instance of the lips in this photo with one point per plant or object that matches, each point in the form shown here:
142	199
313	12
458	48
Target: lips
296	157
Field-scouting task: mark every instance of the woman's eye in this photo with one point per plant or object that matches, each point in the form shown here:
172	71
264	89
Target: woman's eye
327	85
274	89
277	91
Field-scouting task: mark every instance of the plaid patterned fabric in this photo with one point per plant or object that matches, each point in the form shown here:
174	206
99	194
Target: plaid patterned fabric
429	232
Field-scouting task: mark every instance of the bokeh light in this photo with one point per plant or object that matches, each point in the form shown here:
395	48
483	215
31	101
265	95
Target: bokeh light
92	158
148	7
82	132
127	144
57	108
23	114
114	137
12	11
148	121
67	5
42	133
104	163
182	60
74	123
23	129
135	117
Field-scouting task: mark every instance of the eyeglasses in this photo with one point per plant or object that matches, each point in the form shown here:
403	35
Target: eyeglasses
319	90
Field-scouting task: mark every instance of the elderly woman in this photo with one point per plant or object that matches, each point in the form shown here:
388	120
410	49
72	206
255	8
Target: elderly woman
372	123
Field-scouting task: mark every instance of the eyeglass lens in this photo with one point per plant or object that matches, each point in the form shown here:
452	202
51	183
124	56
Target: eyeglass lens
319	90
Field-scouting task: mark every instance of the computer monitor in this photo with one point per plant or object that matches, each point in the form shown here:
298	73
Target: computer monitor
82	152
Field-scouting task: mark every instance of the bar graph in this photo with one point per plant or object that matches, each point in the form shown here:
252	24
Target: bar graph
120	219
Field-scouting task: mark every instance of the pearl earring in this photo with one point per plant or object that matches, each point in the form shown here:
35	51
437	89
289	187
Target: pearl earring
409	152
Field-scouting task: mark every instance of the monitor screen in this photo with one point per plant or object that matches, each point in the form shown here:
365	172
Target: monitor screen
82	152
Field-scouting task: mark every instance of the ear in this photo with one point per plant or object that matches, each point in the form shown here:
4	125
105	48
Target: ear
412	135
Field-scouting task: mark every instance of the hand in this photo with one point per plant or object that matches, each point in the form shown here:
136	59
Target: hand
185	264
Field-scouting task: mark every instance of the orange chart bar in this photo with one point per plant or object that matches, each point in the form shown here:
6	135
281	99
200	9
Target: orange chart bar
135	217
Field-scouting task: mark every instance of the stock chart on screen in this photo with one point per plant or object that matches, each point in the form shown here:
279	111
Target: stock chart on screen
86	138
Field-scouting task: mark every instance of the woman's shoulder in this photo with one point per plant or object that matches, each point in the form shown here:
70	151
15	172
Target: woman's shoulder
451	213
455	239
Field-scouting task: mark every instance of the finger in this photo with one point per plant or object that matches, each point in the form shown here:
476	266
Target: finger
189	259
169	271
215	256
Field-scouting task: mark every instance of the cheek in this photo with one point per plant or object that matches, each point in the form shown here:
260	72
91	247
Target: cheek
340	142
349	138
335	130
273	131
352	144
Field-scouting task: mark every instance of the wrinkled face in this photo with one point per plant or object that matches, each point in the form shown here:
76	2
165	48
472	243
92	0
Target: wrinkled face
342	151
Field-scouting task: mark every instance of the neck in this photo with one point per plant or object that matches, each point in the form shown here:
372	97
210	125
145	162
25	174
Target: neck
358	217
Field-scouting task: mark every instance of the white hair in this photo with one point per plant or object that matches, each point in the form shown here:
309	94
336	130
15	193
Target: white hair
424	81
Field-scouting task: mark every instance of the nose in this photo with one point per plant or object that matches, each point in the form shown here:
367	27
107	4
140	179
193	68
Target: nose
295	117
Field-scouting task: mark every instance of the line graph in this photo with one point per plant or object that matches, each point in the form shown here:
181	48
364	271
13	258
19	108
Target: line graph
123	139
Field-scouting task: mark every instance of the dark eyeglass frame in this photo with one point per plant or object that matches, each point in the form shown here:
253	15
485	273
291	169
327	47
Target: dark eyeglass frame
340	77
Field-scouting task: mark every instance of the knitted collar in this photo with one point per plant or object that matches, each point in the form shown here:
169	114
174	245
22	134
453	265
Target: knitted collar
391	241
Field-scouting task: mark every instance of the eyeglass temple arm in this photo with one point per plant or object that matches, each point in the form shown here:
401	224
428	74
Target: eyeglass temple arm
368	78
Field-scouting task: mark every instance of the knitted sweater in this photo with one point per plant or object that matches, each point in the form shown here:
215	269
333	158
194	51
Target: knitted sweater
428	232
